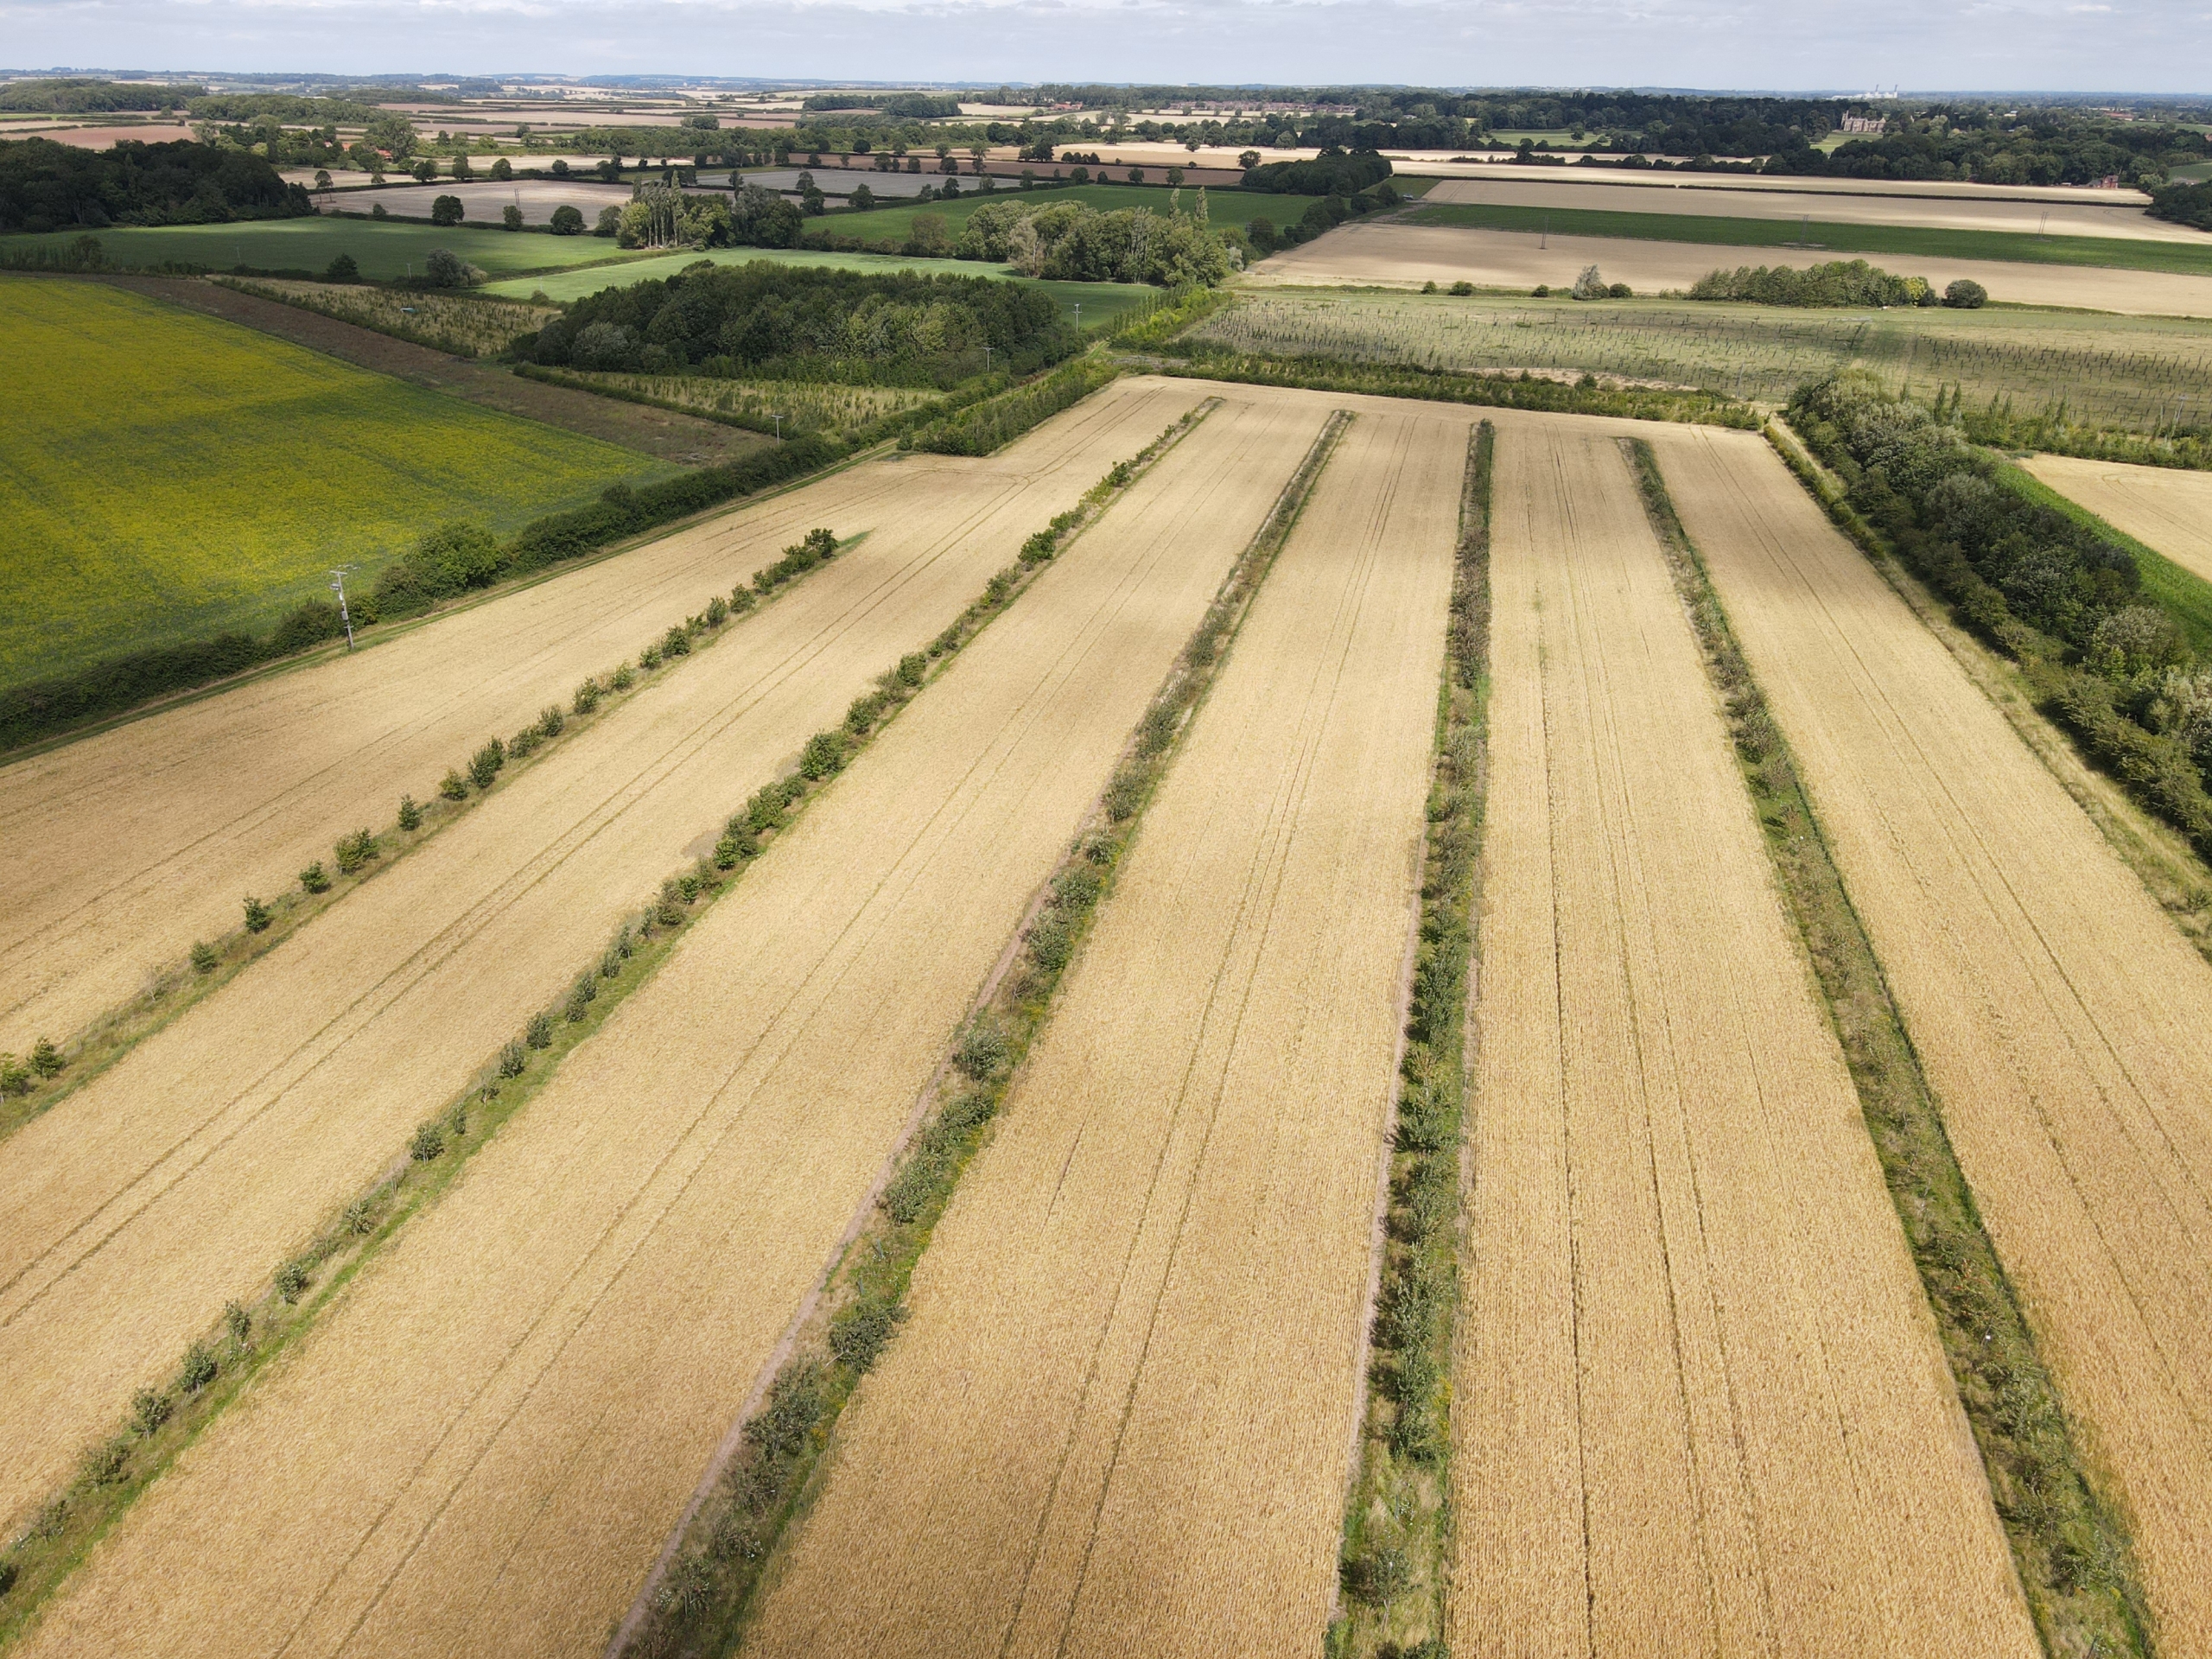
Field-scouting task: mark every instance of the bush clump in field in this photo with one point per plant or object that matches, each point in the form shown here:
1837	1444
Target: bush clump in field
858	1333
797	559
430	1143
356	850
795	1405
484	766
453	786
315	878
586	699
823	756
15	1075
198	1370
448	561
538	1034
981	1051
623	677
46	1059
203	958
512	1058
411	816
257	915
581	997
1966	294
1837	283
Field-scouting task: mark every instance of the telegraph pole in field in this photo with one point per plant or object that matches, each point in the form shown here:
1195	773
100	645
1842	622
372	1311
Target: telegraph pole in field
338	587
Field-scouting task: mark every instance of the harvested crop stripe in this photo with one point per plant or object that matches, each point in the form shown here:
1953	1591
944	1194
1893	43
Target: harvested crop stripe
1119	1418
2163	507
2063	1023
176	1180
1699	1403
125	848
485	1447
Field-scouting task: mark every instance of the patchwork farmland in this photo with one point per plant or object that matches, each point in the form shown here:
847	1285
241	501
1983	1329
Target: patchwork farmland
1198	955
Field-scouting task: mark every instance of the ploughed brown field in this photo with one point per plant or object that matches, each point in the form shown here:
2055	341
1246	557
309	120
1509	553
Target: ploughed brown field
483	1446
1698	1404
1119	1418
2163	507
186	1172
2065	1024
125	848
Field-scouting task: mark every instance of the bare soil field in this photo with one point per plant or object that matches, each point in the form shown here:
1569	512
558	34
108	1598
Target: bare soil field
1386	254
484	1446
1504	170
2101	213
1120	1416
2163	507
2062	1020
183	1175
126	846
1699	1403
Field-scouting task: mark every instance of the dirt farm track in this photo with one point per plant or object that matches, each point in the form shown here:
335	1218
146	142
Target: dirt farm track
1699	1401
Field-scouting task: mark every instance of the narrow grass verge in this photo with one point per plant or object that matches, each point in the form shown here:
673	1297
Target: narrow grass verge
54	1070
1397	1540
219	1364
2068	1545
703	1590
2161	855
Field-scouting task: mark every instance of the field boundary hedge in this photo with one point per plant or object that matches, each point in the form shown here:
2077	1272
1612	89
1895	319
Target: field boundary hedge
1501	389
983	427
2069	1545
1396	1554
218	1365
26	1093
701	1593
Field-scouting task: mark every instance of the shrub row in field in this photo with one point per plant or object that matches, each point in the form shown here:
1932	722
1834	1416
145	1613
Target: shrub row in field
1395	1537
698	1605
2106	660
2070	1550
1206	360
992	424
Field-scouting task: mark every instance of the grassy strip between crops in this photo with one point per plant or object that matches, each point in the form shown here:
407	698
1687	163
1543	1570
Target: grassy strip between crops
992	424
2016	247
701	1594
1563	396
2069	1547
52	1072
2033	694
1397	1542
219	1364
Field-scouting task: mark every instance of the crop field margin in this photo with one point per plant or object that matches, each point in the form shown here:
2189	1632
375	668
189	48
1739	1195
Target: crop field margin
2069	1547
2170	869
217	1367
1396	1552
771	1466
172	988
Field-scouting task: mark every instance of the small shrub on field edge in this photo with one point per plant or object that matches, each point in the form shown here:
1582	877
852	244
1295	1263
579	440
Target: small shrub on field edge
512	1058
823	756
293	1280
429	1142
46	1059
587	697
484	766
15	1075
858	1333
539	1033
411	816
199	1369
257	915
355	850
648	658
454	786
622	678
240	1322
203	958
148	1411
315	878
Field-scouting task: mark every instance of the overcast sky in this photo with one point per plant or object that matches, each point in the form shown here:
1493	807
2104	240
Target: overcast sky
1998	45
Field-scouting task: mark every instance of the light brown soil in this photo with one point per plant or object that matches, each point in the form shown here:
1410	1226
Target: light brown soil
2162	507
1699	1403
182	1176
126	846
2095	214
1405	256
483	1448
1118	1419
2064	1023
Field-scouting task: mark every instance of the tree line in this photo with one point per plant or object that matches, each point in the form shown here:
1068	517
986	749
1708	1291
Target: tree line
48	187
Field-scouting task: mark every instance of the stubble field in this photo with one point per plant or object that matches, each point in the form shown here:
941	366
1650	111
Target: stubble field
1120	1419
2063	1022
484	1448
180	1178
1699	1401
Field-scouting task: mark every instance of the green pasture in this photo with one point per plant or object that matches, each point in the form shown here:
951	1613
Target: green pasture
2018	247
165	475
383	249
1100	301
2127	373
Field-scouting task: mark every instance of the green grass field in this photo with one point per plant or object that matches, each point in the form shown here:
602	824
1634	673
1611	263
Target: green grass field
383	249
2018	247
2126	372
165	475
1100	301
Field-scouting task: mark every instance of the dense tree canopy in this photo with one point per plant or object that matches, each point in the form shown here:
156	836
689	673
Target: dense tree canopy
46	187
2185	204
788	321
80	97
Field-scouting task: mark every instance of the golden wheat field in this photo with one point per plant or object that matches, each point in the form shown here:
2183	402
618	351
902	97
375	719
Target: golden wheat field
2063	1022
483	1447
1698	1404
1121	1419
126	846
182	1176
2163	507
